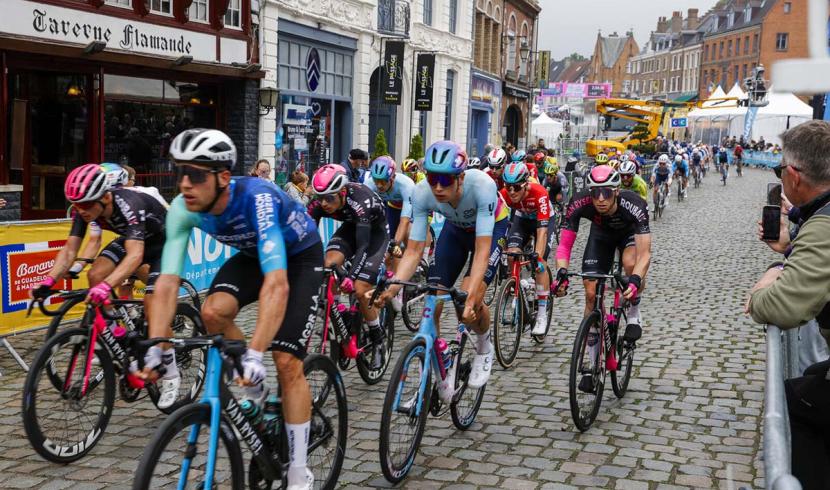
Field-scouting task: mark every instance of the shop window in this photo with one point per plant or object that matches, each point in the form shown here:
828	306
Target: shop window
121	3
336	69
199	10
448	105
160	6
233	16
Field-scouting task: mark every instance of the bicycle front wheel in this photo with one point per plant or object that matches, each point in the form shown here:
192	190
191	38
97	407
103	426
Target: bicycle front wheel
64	424
329	420
585	404
405	410
413	304
624	351
507	323
466	401
177	456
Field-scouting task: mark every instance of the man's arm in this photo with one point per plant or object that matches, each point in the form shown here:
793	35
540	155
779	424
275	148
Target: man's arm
403	229
65	258
642	248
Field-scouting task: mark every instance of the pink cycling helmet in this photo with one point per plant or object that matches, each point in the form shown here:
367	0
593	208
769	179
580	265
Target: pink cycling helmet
329	179
86	183
603	176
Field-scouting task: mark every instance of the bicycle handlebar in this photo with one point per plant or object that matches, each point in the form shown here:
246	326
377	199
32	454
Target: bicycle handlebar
622	281
531	255
60	292
458	296
234	349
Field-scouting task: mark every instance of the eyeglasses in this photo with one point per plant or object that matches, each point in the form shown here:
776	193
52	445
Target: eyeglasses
445	180
602	192
327	198
515	188
779	170
86	205
196	175
380	182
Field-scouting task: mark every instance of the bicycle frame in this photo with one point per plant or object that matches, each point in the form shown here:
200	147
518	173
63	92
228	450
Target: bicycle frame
351	350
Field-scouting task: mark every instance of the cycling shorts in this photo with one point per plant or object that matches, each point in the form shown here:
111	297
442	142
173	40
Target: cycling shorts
599	251
393	219
681	172
522	229
241	277
457	246
116	250
659	179
344	241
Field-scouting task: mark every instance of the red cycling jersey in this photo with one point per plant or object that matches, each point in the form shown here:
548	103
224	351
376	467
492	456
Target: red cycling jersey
498	180
534	172
536	203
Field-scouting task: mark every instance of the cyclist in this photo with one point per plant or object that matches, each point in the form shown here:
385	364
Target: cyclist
555	182
738	153
661	174
396	191
534	161
571	163
410	168
619	221
496	160
601	159
476	223
363	237
278	264
518	156
681	168
630	181
532	216
475	162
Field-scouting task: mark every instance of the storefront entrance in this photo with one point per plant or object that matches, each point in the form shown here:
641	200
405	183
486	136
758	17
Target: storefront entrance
381	116
513	125
478	131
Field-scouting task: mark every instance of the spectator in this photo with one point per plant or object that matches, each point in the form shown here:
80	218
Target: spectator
540	145
130	176
2	203
262	169
298	187
790	294
356	164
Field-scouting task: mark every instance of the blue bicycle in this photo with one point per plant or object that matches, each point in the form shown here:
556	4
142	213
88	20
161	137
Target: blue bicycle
173	458
412	392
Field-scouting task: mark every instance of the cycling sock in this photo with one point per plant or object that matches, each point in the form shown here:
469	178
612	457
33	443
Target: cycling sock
168	360
634	314
483	342
297	450
542	297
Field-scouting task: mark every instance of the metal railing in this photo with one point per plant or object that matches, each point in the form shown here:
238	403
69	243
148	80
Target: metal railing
781	362
393	17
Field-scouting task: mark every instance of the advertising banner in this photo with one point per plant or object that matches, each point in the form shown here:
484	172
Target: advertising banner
425	70
543	69
578	90
393	72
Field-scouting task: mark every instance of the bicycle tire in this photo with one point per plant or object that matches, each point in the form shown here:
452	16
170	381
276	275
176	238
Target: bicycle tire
364	359
181	420
580	344
541	338
192	293
319	419
33	424
56	321
410	310
464	414
492	289
504	354
184	359
395	472
625	361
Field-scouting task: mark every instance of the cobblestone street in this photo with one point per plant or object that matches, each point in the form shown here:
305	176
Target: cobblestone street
692	416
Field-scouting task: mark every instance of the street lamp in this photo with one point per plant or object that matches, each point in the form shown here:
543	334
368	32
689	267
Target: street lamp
268	99
524	50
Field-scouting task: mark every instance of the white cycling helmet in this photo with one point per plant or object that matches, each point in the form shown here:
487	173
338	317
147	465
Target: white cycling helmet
628	168
496	158
663	159
678	158
204	147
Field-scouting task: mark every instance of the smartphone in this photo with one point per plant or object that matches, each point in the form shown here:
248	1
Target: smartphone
771	223
774	193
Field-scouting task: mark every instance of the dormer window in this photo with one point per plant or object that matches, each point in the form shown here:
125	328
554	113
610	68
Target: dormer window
730	19
747	13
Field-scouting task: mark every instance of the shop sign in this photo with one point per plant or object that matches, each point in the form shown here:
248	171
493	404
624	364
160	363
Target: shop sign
483	90
37	20
543	68
511	91
425	70
393	67
312	70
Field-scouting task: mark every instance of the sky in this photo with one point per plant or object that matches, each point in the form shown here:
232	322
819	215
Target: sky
568	26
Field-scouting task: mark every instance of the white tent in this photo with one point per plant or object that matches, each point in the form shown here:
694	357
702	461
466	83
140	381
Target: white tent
784	111
546	128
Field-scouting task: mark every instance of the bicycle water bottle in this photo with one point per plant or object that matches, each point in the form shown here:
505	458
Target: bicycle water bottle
442	349
271	417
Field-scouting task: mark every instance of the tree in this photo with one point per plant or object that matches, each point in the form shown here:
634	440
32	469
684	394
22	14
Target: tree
576	57
640	132
416	147
380	145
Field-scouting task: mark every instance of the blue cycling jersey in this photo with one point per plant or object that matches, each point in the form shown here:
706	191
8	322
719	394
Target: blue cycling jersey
260	220
399	196
480	206
684	165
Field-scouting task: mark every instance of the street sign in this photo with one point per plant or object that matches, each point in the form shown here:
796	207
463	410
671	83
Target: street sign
679	122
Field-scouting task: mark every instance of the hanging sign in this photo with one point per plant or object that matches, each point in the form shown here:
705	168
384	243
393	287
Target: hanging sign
393	66
424	69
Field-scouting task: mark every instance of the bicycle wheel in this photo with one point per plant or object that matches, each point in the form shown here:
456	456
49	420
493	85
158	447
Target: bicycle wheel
59	322
61	424
191	363
163	463
192	293
401	425
466	401
413	304
329	420
679	190
492	289
366	359
541	338
585	406
508	321
624	352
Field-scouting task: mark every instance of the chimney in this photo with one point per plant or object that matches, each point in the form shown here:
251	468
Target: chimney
692	20
676	21
662	25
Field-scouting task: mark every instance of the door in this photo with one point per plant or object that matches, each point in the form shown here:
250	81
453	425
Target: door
381	116
479	124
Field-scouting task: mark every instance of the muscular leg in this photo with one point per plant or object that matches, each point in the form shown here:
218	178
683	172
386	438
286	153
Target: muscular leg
482	323
360	289
590	295
218	313
101	268
296	400
334	258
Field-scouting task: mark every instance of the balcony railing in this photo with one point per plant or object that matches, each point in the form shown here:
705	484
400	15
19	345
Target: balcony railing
393	18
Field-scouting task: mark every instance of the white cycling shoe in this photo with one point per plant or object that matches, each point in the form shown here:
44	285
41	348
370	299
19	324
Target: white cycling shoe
541	323
482	367
168	391
307	484
446	387
397	302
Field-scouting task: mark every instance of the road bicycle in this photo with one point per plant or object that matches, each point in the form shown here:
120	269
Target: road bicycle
412	304
660	199
696	176
413	386
724	172
614	354
182	454
516	308
680	194
341	332
69	391
502	273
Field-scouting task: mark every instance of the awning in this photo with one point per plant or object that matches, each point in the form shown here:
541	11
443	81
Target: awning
687	97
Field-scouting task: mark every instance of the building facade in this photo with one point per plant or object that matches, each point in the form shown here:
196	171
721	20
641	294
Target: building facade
519	23
114	81
486	80
609	62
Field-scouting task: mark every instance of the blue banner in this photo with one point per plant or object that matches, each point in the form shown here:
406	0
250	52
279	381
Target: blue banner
205	256
750	120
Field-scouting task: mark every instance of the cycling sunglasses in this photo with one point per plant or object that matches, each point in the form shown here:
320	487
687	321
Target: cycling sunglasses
86	205
196	175
326	198
602	192
515	188
445	180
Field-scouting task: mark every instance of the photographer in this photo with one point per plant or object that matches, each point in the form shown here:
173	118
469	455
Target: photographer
792	293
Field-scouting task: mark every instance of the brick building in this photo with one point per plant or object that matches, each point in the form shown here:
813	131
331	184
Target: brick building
486	78
610	60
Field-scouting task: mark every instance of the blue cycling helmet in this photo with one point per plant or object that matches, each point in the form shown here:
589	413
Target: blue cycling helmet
445	157
516	173
382	168
518	156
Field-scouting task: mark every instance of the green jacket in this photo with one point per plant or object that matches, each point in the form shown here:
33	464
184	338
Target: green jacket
802	291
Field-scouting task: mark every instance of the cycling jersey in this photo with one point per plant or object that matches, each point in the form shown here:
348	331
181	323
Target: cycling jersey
498	180
479	209
631	214
135	216
661	174
638	185
535	205
682	168
260	220
558	184
696	157
399	196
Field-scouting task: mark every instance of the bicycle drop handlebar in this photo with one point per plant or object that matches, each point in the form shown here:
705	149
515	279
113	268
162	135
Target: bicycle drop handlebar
621	280
458	296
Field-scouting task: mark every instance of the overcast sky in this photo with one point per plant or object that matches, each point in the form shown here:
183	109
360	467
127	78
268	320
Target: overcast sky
568	26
